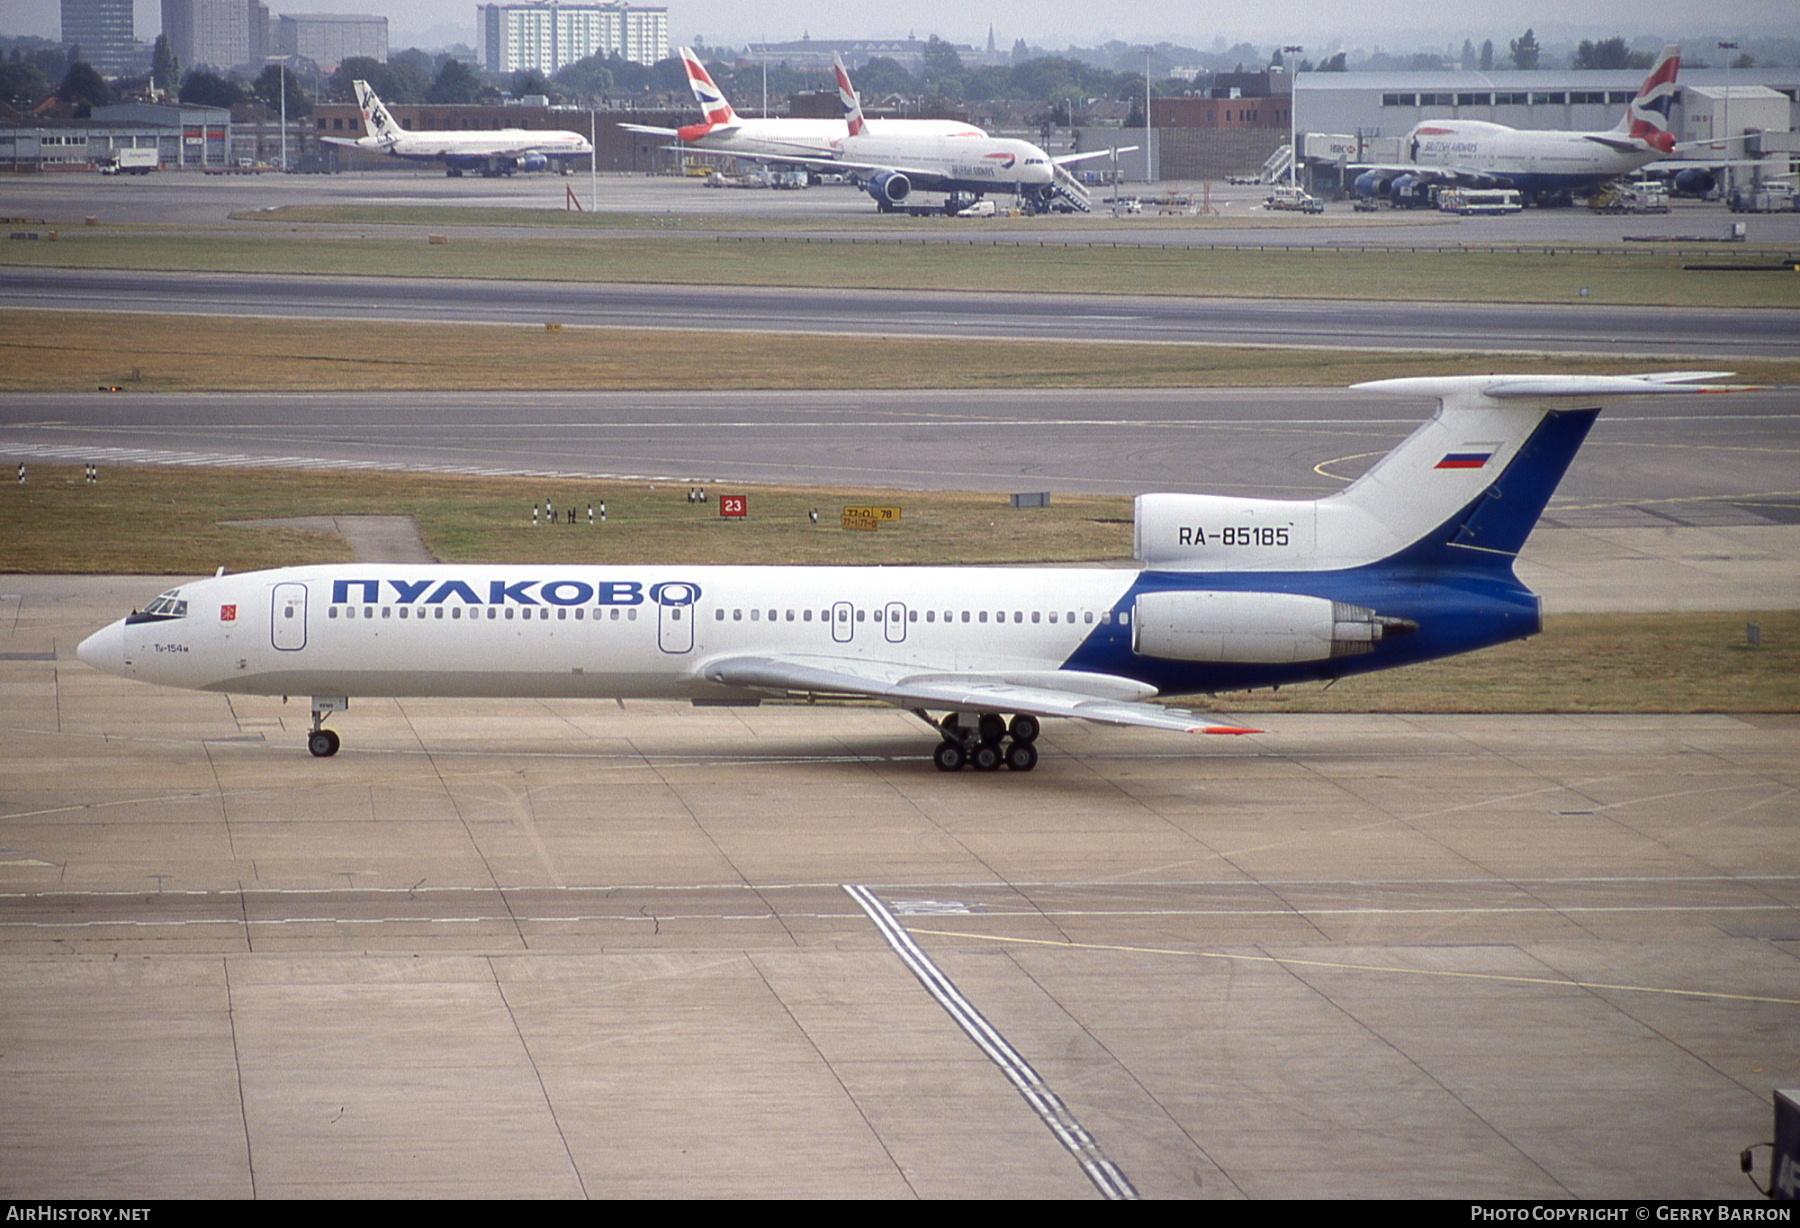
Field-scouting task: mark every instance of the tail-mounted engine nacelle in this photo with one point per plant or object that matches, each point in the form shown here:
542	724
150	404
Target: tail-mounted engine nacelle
889	187
1255	628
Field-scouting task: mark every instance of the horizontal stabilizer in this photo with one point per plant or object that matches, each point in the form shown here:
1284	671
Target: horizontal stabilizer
1506	387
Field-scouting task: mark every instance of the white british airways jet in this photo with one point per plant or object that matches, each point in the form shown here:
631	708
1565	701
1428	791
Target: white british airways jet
499	151
895	156
1542	165
1412	561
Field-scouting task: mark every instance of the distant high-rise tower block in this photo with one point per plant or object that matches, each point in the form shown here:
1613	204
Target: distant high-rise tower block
209	33
551	36
328	39
103	31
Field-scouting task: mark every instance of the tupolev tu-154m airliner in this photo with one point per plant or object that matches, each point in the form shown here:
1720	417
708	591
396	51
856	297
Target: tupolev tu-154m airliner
1412	561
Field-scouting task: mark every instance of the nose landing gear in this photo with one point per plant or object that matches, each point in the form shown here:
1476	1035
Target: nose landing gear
323	742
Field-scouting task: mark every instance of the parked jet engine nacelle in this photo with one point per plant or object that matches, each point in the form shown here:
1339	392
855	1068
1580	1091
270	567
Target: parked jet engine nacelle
1695	181
1372	183
1253	628
1410	191
889	187
534	162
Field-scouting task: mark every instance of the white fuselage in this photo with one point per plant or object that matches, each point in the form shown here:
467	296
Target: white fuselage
486	144
955	152
381	630
1526	158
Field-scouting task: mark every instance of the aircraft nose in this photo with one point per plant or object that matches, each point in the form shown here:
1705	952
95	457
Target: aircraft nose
105	649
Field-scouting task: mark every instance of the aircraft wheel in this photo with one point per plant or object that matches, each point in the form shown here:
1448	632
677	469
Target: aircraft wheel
1025	728
987	757
991	727
1021	756
949	757
323	743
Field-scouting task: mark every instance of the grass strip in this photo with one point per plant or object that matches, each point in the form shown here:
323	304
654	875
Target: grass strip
1523	276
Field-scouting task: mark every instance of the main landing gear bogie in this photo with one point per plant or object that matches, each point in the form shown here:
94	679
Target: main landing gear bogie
987	746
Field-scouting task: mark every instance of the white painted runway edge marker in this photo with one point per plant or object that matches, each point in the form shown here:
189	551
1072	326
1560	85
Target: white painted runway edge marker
1106	1176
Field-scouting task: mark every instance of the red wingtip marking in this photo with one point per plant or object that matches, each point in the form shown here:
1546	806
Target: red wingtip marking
1224	729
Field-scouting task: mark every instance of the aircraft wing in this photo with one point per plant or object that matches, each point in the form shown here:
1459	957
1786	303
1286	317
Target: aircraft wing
1461	175
1065	159
641	128
1088	697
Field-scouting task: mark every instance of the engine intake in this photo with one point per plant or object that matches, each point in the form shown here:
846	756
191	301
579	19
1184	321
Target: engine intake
890	187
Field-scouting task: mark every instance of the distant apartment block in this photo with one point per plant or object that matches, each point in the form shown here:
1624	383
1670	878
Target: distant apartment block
215	34
328	39
103	31
548	37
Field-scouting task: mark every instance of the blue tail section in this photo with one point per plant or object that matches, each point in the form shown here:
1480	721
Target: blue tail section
1500	520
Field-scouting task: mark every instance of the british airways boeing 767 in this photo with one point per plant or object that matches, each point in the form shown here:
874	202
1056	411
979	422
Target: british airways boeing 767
1412	561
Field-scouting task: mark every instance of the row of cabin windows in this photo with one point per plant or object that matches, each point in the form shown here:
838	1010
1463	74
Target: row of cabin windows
930	616
737	615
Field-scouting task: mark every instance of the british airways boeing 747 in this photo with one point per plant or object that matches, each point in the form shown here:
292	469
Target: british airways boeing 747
1412	561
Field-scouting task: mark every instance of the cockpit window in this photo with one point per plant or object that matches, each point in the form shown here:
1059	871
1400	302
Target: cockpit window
168	606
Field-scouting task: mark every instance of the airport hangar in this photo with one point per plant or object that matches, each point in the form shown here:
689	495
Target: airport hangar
1381	108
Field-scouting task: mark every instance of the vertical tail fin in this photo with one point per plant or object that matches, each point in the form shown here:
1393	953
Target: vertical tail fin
1647	118
377	122
713	107
853	113
1465	489
1477	476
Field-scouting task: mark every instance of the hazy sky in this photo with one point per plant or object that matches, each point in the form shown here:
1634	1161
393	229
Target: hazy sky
1403	24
